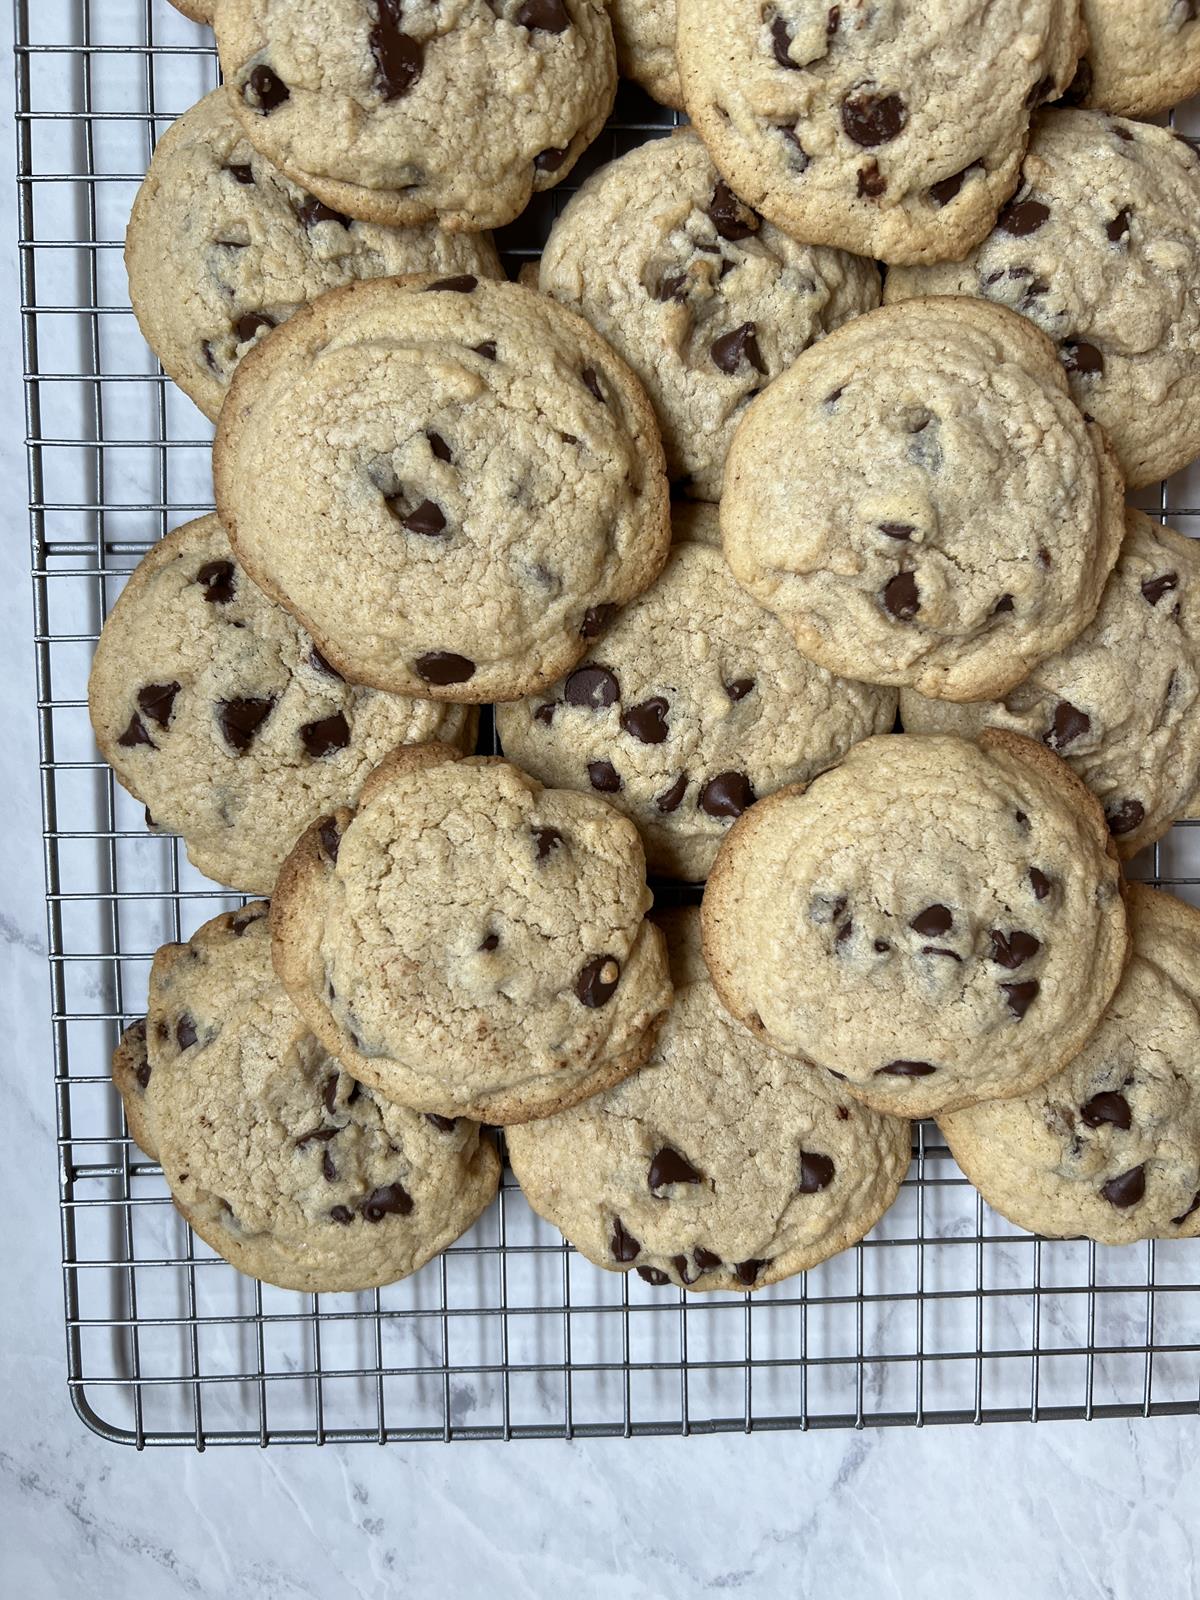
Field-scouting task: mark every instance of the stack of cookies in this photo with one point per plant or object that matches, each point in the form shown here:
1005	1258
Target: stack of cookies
706	508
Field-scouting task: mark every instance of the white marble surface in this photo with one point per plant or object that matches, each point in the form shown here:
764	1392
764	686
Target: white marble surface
1101	1510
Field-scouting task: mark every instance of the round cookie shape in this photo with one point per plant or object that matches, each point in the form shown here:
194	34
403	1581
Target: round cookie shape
1141	59
655	1175
470	943
938	921
218	712
458	109
644	31
1110	1148
889	129
705	301
1100	247
1121	703
279	1160
696	703
221	248
450	483
921	502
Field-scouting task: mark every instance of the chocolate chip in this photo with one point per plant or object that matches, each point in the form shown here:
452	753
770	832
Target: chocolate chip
546	839
739	688
1079	357
399	58
942	193
1013	950
317	660
1069	724
324	737
1005	603
438	445
330	837
217	578
871	182
443	666
653	1276
545	713
1043	556
241	171
1184	1215
881	946
844	932
648	721
427	519
1153	589
668	1166
328	1170
726	795
142	1073
1020	997
550	160
241	719
155	700
905	1069
342	1215
1118	228
816	1173
727	351
671	799
623	1245
442	1124
210	358
673	287
265	89
592	687
1125	1190
798	157
729	216
706	1260
934	920
596	619
897	530
781	40
1040	883
1108	1108
833	21
834	396
318	1136
1124	818
937	950
185	1032
464	283
487	349
746	1272
1022	217
901	598
248	325
393	1199
314	211
597	981
551	16
870	118
241	921
602	775
492	942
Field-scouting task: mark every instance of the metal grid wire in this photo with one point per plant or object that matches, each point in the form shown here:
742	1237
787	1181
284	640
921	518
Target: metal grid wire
946	1313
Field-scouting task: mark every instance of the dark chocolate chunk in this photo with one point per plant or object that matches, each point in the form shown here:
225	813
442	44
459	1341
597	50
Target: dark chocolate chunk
729	350
393	1200
1020	996
671	799
668	1167
1022	217
871	118
933	921
217	579
905	1069
1153	589
441	667
1126	1189
623	1244
901	598
1108	1107
324	737
727	795
816	1172
592	687
241	719
729	216
602	775
597	981
647	722
265	90
1013	950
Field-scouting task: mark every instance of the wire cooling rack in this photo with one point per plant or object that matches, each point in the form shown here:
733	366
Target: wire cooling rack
945	1314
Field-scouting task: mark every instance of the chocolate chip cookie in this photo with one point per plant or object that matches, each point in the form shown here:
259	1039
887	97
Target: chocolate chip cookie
403	112
1110	1148
1122	702
938	513
197	10
468	942
886	127
221	248
451	483
721	1164
938	921
277	1158
131	1079
696	703
645	34
1100	247
221	715
1141	59
705	301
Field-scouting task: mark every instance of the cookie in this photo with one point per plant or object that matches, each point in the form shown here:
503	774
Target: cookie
696	703
721	1164
1141	58
644	31
219	713
221	248
895	130
938	921
468	942
1110	1148
1100	247
938	513
1122	702
131	1079
279	1160
197	10
450	483
705	301
458	109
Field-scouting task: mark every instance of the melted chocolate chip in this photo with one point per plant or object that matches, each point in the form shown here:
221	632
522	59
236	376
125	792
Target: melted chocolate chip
591	383
798	157
438	445
901	598
728	351
1118	228
185	1032
464	283
596	619
1005	603
135	734
427	519
739	688
546	840
729	216
248	325
905	1069
844	932
324	737
933	921
1013	950
241	171
871	119
623	1245
328	1170
487	349
1125	1190
330	837
1124	818
1039	882
1079	357
342	1215
1020	996
155	701
143	1077
592	688
652	1276
647	722
672	287
1110	1108
706	1260
442	667
265	89
781	40
726	795
897	530
1153	589
1022	217
668	1166
602	775
1175	1221
597	981
816	1173
551	16
314	211
217	579
241	921
1069	724
747	1272
545	713
671	799
871	182
317	1136
550	160
399	58
241	719
392	1200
